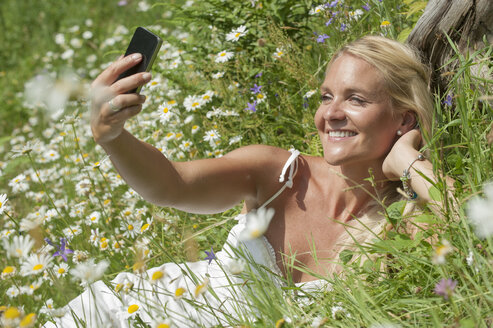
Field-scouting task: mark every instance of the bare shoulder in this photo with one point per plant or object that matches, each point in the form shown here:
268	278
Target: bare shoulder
264	164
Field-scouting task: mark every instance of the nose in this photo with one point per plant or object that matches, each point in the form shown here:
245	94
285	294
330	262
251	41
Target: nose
333	111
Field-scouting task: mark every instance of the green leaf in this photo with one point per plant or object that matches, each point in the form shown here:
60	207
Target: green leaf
395	210
345	256
402	37
435	194
425	218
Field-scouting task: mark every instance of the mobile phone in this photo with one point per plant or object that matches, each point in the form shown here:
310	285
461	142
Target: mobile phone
146	43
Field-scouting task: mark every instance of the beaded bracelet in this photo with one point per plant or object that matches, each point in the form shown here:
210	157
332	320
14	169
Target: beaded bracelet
406	176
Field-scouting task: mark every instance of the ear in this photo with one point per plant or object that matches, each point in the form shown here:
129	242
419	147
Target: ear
409	121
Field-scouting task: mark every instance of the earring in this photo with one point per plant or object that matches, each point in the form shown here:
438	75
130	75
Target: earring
399	132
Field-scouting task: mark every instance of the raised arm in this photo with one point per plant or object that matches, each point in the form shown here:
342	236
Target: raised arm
201	186
403	156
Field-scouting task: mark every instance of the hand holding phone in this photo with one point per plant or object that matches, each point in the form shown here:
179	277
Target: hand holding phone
146	43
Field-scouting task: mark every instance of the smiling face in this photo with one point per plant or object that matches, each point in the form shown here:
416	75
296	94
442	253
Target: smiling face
356	121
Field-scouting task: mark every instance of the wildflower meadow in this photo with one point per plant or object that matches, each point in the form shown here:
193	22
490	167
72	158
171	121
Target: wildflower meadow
229	74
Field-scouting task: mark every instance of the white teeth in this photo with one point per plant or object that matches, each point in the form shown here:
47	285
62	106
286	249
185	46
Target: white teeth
341	134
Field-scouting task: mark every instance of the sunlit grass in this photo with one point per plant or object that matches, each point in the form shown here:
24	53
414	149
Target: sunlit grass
58	184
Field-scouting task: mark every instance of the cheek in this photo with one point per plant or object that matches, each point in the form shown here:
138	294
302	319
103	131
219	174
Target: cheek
319	120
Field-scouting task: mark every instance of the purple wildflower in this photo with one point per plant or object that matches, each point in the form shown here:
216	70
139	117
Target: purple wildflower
252	106
329	21
343	27
445	288
210	255
305	102
62	250
256	88
321	37
366	7
122	3
259	74
448	100
332	4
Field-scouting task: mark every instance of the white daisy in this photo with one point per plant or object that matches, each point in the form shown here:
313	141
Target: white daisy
236	33
3	202
93	218
223	56
279	53
211	136
257	223
35	264
192	103
89	271
480	212
19	247
61	269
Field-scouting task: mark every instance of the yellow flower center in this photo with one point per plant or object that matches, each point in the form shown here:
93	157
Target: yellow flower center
116	244
61	270
195	127
222	54
144	227
385	23
130	227
172	102
106	201
165	110
260	96
28	320
38	267
256	233
157	275
163	325
104	244
132	308
237	35
195	104
154	83
206	97
8	269
11	313
179	291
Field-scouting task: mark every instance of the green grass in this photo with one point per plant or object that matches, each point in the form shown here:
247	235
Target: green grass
395	285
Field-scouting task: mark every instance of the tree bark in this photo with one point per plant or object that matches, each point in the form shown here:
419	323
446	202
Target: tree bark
468	23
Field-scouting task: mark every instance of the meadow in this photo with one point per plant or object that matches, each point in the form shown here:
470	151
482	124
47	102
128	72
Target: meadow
229	74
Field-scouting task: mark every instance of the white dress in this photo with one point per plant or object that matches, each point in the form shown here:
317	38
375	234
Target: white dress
104	306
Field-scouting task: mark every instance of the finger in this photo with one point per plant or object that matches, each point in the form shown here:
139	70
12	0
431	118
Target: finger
110	74
126	100
127	112
130	82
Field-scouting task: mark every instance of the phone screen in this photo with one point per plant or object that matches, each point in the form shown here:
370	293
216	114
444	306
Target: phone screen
146	43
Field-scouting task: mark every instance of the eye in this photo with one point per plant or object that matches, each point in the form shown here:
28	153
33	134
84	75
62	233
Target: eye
326	98
358	101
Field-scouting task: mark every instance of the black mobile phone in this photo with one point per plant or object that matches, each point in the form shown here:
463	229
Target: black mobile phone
146	43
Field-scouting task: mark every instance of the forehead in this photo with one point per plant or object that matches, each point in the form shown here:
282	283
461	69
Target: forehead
349	71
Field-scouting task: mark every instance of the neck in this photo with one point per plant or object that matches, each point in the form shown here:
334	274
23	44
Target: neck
352	188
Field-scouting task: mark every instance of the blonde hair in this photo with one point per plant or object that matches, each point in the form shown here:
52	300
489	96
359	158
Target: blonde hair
406	77
407	83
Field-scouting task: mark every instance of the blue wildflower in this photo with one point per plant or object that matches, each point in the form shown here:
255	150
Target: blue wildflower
448	100
366	7
321	37
62	250
256	88
210	255
343	27
252	106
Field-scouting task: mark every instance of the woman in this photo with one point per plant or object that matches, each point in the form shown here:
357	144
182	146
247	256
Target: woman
374	95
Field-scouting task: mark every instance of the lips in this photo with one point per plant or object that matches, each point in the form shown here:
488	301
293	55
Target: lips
341	134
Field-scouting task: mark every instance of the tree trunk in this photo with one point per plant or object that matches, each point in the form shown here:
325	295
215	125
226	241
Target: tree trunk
468	23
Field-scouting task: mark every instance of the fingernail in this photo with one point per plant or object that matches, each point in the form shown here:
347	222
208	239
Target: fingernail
142	97
146	76
136	56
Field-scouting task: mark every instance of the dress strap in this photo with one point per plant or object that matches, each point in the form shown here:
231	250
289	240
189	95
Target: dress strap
292	164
